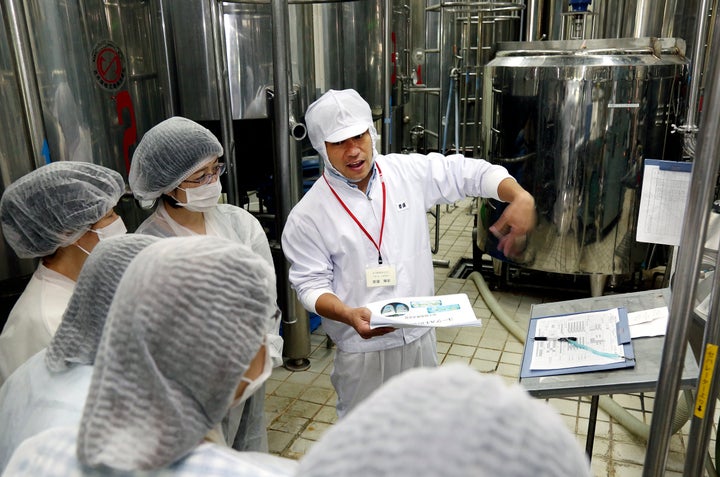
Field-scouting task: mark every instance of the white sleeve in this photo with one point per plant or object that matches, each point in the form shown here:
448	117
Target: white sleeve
447	179
310	267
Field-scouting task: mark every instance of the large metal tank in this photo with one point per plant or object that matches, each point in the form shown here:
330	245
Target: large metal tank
79	81
98	79
572	121
16	160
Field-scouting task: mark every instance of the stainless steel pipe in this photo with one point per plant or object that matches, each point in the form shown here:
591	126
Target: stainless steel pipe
709	151
14	17
698	58
224	105
296	323
702	188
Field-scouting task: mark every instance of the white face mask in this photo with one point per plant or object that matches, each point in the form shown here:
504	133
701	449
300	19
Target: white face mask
115	228
254	384
202	198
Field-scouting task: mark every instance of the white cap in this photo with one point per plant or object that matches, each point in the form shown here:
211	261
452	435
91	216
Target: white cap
336	116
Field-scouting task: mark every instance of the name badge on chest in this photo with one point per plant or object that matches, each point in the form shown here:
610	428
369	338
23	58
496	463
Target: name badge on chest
380	276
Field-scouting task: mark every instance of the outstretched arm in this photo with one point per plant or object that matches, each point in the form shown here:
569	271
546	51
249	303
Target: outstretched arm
517	220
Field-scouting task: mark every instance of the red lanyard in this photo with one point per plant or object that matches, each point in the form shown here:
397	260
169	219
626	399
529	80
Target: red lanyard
377	244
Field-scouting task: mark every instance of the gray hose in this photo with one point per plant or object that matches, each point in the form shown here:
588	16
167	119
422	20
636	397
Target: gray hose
607	404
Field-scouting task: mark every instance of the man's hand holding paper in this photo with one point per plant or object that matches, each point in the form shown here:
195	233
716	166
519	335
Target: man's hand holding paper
427	311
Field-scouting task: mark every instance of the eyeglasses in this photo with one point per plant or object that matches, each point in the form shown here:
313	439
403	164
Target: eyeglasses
217	170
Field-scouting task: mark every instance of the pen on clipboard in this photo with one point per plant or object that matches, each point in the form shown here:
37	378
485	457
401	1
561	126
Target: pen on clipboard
560	338
573	341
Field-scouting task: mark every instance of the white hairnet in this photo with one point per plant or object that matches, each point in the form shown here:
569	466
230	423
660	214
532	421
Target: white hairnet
54	205
76	339
187	318
167	154
450	421
336	116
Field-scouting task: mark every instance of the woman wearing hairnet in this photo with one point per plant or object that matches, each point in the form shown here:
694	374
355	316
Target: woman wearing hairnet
177	164
49	389
449	421
56	213
175	355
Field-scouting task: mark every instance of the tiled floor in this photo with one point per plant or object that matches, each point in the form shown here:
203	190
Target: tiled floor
300	405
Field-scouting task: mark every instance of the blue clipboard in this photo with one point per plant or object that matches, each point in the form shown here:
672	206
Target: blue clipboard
623	334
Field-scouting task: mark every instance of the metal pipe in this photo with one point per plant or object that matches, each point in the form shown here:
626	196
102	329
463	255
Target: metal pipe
708	151
698	58
702	188
296	328
648	19
480	62
168	59
290	2
281	105
531	20
224	105
307	66
387	73
668	24
297	130
702	418
14	17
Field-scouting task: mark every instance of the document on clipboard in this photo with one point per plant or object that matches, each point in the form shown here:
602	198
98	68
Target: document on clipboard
662	201
578	342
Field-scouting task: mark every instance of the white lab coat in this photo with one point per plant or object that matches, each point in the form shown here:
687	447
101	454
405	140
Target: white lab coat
59	458
34	318
34	399
329	253
236	224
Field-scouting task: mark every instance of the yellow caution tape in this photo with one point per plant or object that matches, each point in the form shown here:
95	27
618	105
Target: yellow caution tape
708	369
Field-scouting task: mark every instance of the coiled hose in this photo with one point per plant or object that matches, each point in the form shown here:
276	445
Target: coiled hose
607	404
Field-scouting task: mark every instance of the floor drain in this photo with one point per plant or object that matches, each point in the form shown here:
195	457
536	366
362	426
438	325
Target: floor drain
462	269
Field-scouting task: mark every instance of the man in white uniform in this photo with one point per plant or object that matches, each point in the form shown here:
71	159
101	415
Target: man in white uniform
365	222
57	213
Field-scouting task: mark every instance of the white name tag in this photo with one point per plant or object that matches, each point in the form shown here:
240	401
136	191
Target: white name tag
381	276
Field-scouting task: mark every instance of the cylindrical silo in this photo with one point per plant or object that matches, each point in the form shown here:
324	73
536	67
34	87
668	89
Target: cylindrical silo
573	121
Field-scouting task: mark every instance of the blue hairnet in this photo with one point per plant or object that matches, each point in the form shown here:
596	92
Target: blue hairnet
54	205
187	319
167	154
77	338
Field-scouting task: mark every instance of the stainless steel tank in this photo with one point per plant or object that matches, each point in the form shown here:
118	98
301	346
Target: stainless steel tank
572	121
79	81
16	160
98	79
349	48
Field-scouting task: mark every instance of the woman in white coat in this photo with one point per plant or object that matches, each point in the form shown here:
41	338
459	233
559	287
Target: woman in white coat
177	164
183	343
56	213
49	389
